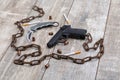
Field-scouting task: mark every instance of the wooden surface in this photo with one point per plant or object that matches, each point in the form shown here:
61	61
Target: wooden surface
99	17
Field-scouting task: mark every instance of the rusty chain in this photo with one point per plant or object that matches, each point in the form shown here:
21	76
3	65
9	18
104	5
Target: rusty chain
21	60
20	34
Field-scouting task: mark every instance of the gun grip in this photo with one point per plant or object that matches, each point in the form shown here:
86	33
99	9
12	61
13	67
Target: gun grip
75	33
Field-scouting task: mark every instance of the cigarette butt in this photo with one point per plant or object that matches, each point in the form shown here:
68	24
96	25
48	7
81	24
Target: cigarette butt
66	19
68	22
77	52
32	23
73	53
25	24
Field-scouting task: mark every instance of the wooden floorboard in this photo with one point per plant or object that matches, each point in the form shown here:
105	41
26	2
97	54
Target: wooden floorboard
109	67
99	17
32	72
90	15
8	15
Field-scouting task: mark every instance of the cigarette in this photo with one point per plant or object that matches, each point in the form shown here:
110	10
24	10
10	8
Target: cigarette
67	20
72	53
28	24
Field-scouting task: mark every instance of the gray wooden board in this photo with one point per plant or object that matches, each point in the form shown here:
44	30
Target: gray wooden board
36	72
7	29
109	66
90	15
8	15
8	19
55	11
16	6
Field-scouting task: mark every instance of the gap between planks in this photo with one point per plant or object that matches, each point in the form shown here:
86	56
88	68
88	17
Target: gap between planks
54	47
4	53
104	35
93	35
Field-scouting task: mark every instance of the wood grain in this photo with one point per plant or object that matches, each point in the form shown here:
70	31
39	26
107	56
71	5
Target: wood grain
90	15
26	72
109	66
7	29
99	17
16	6
7	18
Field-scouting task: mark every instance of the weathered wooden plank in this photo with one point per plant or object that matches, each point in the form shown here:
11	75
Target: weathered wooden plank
7	29
7	19
36	72
57	11
16	6
109	66
90	15
32	72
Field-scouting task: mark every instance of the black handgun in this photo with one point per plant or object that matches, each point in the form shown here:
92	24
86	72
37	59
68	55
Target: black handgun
67	32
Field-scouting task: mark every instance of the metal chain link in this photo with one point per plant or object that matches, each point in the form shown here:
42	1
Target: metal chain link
21	60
